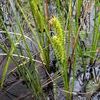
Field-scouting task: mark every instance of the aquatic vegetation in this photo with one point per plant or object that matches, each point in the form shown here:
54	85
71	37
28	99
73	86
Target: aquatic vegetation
53	38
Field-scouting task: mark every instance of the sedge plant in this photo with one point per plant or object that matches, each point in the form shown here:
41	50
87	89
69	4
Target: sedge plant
65	26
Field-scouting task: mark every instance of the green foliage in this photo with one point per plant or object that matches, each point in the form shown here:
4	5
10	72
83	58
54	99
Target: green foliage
66	28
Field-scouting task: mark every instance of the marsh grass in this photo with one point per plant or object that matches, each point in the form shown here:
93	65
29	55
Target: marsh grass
66	53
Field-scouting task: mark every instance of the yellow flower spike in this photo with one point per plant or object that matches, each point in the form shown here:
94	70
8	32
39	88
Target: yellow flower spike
58	39
52	20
